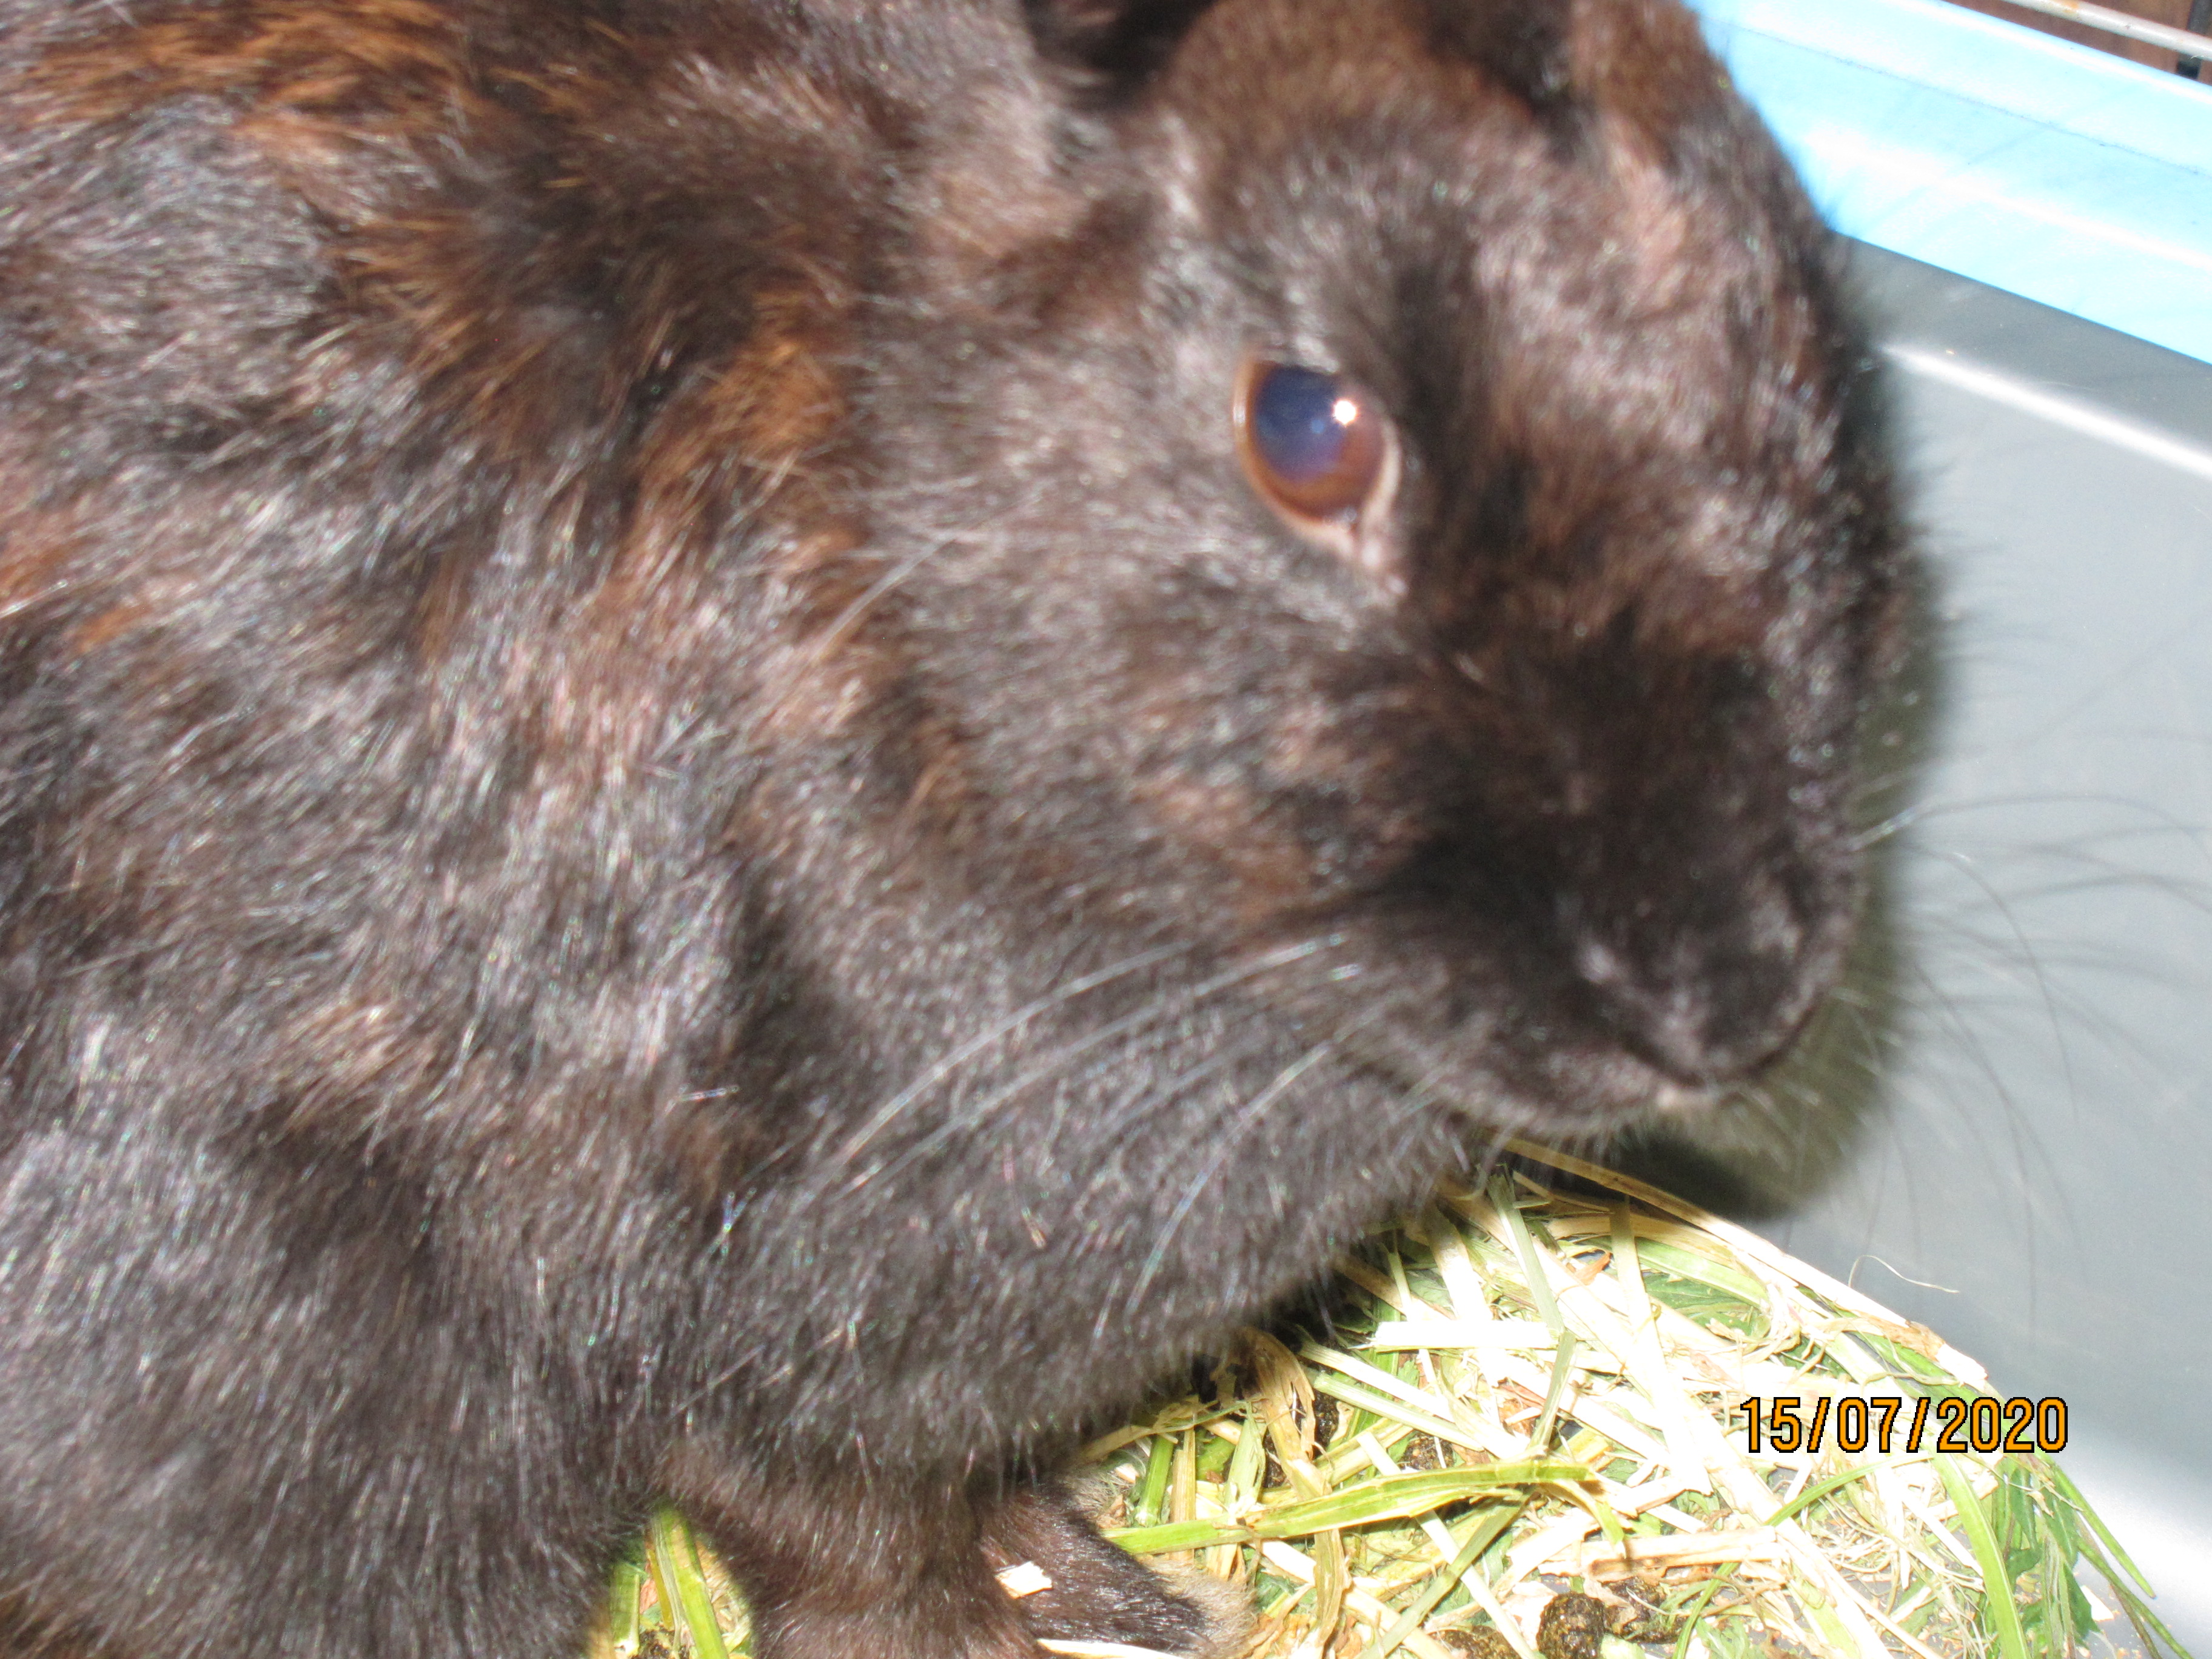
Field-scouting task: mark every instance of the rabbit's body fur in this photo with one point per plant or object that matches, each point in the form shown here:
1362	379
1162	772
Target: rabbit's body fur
672	825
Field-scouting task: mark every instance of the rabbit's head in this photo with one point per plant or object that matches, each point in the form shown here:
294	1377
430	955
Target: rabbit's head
1399	492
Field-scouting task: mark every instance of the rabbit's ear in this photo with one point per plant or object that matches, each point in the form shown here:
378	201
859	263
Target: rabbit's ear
1119	42
1524	45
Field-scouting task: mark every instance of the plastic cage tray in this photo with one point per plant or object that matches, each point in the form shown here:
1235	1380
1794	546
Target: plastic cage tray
2035	1179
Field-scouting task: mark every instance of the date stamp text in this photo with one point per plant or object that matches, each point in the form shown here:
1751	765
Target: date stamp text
1948	1423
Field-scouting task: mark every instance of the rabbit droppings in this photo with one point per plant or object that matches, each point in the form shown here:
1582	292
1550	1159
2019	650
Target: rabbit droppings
752	747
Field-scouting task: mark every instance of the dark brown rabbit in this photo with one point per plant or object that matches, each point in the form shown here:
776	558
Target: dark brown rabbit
753	746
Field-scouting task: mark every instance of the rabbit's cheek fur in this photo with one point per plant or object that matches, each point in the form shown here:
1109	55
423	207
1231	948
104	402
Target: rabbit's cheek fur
675	826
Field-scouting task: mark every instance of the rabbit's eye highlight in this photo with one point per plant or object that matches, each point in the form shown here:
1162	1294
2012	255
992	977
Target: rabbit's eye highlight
1318	449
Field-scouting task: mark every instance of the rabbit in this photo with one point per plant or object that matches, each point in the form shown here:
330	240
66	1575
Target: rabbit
752	748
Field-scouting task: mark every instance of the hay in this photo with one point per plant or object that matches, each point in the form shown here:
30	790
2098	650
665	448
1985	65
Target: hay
1526	1391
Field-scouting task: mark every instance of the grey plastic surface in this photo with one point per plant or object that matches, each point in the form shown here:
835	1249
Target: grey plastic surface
2046	168
2036	1182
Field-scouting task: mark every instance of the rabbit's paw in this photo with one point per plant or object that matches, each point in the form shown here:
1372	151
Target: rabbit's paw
1080	1595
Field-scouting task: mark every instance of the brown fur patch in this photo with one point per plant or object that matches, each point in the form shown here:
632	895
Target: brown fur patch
310	83
734	455
24	1636
1270	869
39	556
281	57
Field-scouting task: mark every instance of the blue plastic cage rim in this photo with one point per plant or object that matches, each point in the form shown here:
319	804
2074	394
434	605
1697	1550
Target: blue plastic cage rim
2048	169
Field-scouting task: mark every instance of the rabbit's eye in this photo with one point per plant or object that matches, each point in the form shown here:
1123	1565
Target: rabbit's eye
1318	447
